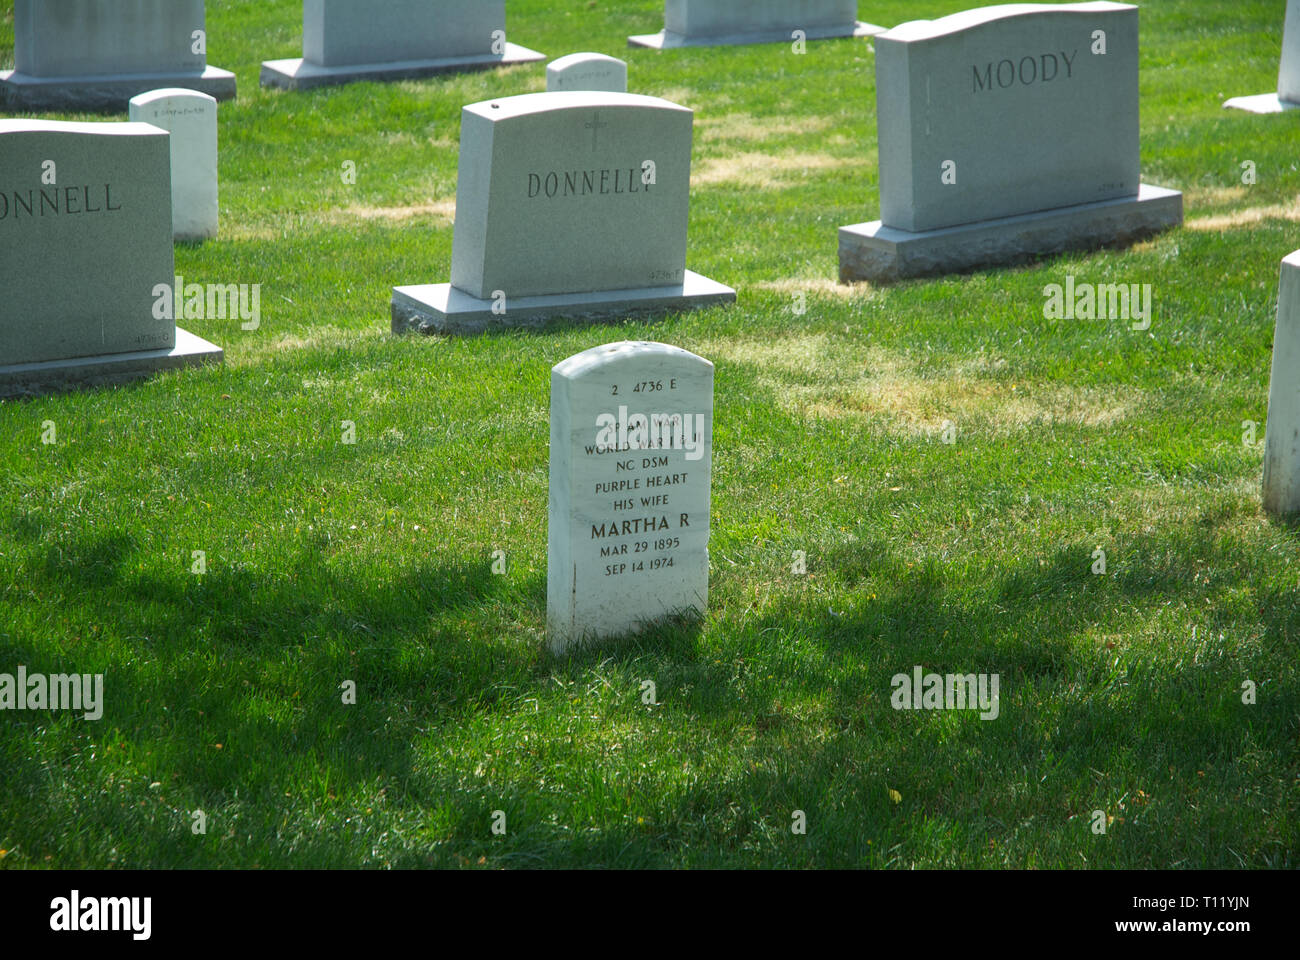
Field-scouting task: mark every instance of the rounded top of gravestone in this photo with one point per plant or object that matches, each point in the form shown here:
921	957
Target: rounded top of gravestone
957	22
581	364
525	104
587	71
170	93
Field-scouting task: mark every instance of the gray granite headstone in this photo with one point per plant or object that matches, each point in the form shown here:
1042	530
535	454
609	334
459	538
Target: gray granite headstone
1281	490
1006	132
97	54
191	119
1287	96
349	40
694	23
85	246
587	71
567	204
631	460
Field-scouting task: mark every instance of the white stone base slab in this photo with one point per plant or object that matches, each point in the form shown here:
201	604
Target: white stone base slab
1261	103
441	308
47	376
880	254
299	74
667	40
111	92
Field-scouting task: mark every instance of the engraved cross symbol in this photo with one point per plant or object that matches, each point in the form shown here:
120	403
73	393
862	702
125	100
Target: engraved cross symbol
595	127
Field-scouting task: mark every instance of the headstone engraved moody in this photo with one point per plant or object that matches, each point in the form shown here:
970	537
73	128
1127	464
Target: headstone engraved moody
1287	96
587	71
1005	133
1281	490
98	54
191	119
709	23
349	40
85	246
631	460
567	204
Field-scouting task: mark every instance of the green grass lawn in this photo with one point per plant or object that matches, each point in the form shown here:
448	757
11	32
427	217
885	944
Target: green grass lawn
371	562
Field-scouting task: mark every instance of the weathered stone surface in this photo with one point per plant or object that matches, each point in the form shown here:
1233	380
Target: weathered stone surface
879	254
97	54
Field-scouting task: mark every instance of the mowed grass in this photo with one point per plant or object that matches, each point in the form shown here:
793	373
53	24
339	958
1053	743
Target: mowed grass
371	562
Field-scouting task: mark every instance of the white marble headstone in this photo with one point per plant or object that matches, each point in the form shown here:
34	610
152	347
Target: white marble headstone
631	460
719	18
587	71
191	118
1282	433
1007	110
1288	75
562	193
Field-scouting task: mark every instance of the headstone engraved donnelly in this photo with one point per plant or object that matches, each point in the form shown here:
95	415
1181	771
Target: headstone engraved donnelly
567	204
85	246
631	462
344	41
98	54
1005	133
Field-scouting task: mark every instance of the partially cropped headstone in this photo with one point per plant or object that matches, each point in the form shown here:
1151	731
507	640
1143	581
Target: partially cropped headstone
98	54
567	204
191	119
348	40
709	23
1288	74
1282	432
631	460
85	248
587	71
1005	133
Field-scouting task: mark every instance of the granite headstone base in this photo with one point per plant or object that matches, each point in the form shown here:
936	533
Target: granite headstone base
112	92
881	254
1260	103
441	308
52	376
300	74
668	40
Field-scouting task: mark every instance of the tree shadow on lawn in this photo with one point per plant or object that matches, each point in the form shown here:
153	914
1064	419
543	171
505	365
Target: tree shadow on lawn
264	683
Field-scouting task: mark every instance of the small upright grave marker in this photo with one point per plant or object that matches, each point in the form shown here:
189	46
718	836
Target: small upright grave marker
191	119
631	462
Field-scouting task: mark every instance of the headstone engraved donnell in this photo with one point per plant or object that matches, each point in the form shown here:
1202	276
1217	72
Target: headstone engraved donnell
631	460
1005	133
708	23
1288	74
85	246
567	204
98	54
348	40
587	71
191	119
1282	433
